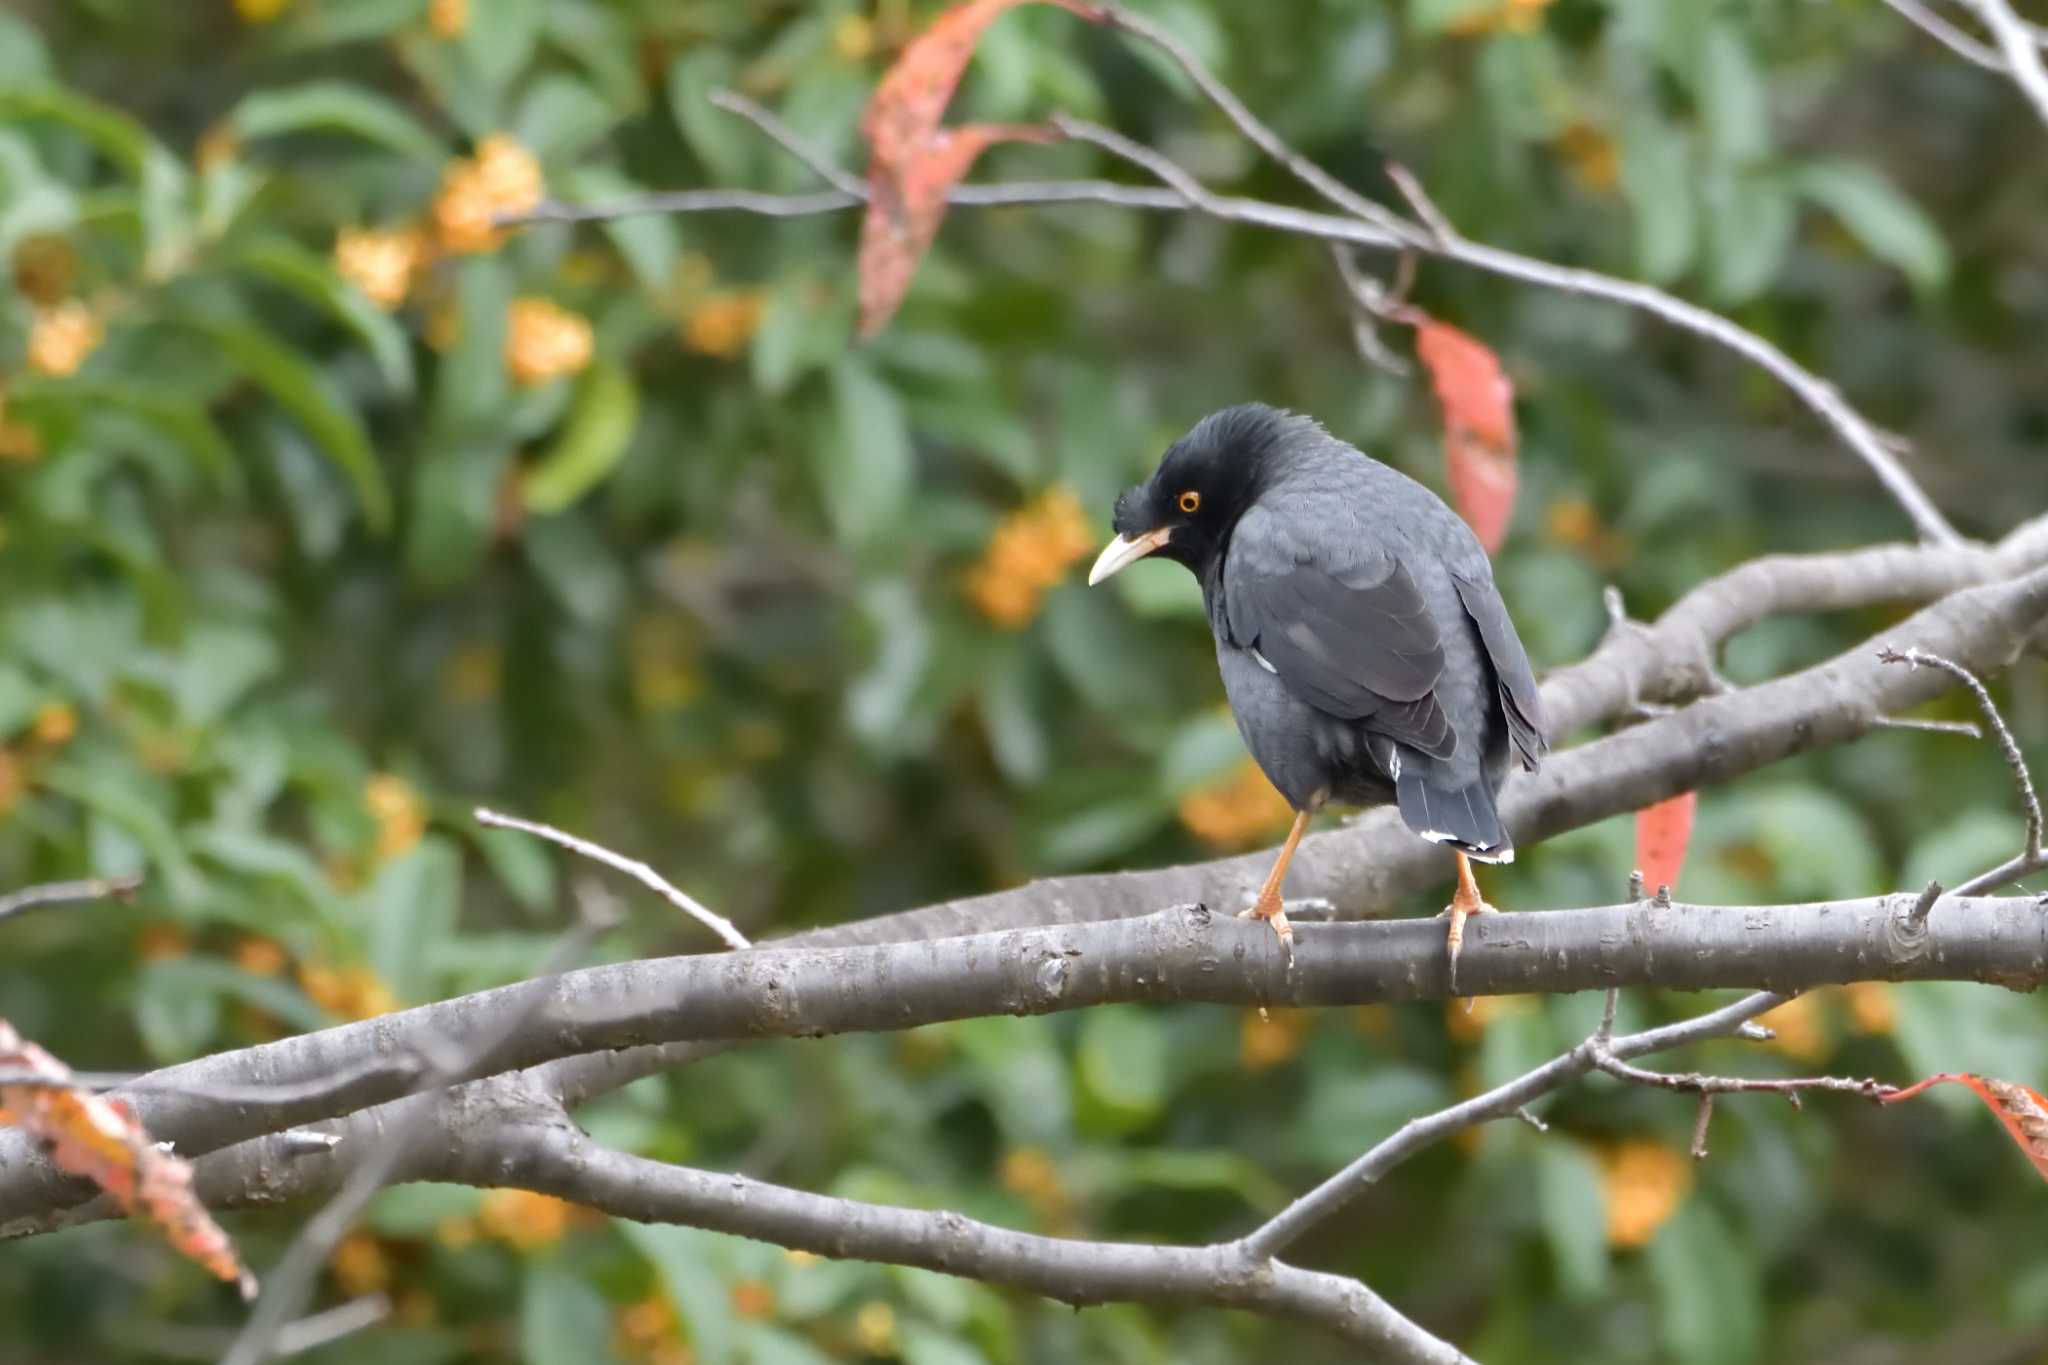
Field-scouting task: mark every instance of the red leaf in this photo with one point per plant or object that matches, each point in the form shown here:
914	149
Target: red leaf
1479	425
98	1137
1662	833
912	161
907	204
2023	1111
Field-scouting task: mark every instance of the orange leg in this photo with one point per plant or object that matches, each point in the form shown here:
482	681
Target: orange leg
1267	907
1465	901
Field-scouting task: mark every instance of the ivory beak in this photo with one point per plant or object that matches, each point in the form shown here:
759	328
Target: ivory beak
1125	550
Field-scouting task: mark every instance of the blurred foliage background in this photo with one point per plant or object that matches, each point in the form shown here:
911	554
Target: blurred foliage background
327	512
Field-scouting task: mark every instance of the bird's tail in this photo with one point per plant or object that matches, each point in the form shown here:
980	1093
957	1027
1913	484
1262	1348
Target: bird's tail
1463	817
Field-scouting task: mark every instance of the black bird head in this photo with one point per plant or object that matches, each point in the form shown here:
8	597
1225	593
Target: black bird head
1186	510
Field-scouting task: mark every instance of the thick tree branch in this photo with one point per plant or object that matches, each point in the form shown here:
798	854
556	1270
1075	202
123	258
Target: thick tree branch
1366	866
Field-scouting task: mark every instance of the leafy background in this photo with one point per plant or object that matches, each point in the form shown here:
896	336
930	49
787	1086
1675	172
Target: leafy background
325	515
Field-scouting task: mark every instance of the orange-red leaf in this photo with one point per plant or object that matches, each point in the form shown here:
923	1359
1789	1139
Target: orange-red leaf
99	1137
912	161
2023	1110
1478	402
1662	833
906	204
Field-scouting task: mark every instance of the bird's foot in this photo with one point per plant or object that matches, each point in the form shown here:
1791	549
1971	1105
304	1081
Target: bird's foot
1462	907
1268	908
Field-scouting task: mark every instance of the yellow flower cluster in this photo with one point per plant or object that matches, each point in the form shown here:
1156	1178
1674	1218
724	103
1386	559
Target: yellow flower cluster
349	992
753	1299
1235	811
359	1265
44	265
448	18
1030	551
61	338
1269	1037
723	323
648	1332
400	814
260	11
18	441
523	1220
874	1328
383	263
1032	1175
1511	16
1644	1183
503	177
1594	159
544	341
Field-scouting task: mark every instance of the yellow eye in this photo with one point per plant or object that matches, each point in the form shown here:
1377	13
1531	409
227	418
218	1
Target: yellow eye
1190	500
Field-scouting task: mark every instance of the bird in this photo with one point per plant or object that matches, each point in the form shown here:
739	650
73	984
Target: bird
1366	654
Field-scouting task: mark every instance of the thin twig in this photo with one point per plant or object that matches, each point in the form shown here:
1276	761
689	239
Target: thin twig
1949	36
1699	1083
1373	302
397	1069
1968	729
2030	804
1425	207
639	871
2016	39
66	893
789	139
1255	129
1700	1123
1329	1198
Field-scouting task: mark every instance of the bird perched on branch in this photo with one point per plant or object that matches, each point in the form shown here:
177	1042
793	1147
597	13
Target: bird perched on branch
1367	656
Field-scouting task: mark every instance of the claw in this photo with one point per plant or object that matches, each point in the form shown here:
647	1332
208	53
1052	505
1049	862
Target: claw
1269	909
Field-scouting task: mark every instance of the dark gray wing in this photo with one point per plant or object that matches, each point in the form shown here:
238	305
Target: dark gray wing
1520	702
1353	638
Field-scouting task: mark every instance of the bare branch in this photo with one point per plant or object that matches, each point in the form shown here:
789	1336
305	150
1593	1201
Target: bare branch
67	893
1256	131
2030	804
639	871
790	140
1326	1200
1702	1121
1698	1083
1924	18
2016	39
309	1333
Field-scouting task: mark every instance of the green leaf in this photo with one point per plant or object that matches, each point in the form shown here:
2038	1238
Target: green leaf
1734	101
127	804
1437	16
683	1257
577	567
20	699
601	425
326	106
304	393
285	263
1707	1290
720	140
561	118
1656	177
1750	222
923	1345
1889	225
497	49
160	179
1122	1061
1205	748
1020	1075
453	510
650	242
24	58
865	468
1568	1194
179	416
562	1317
411	908
1962	847
522	865
470	385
